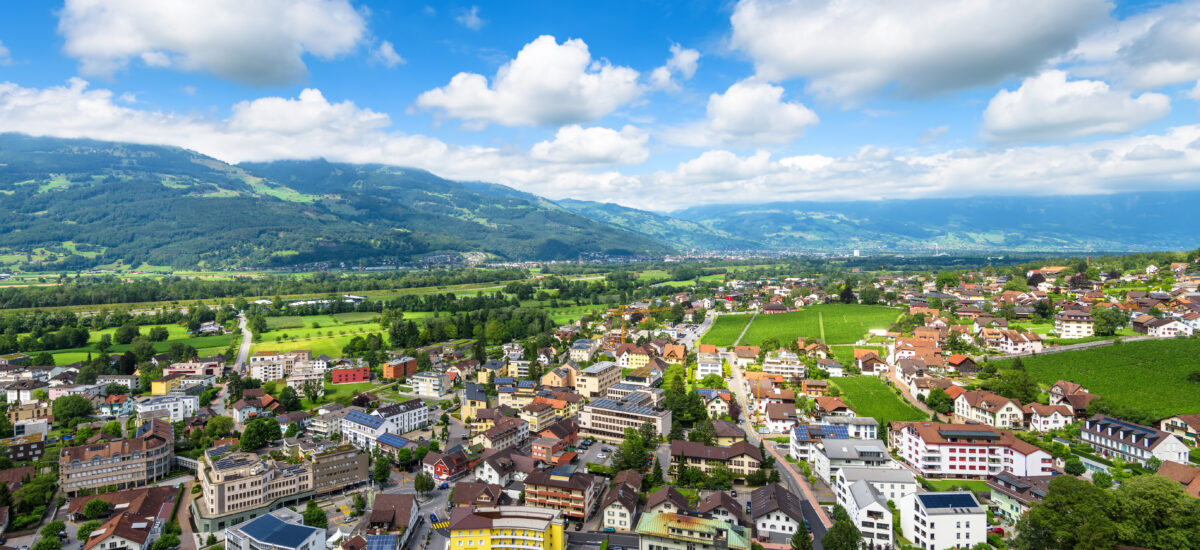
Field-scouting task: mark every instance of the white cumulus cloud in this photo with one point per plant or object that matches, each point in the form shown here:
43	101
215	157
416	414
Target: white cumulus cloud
849	50
261	42
1049	107
683	62
597	145
749	112
386	53
5	57
546	84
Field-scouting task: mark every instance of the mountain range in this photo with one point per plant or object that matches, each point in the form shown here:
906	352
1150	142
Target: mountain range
78	203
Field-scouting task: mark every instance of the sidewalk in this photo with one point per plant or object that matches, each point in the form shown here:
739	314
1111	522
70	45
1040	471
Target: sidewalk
808	494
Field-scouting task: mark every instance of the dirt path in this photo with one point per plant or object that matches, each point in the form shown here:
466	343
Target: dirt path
745	328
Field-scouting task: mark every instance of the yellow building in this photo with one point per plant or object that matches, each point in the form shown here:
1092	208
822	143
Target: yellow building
505	527
474	398
167	383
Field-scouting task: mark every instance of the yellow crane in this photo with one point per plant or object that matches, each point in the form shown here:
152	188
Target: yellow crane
624	310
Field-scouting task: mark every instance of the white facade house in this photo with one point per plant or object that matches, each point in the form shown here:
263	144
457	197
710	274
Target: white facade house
785	363
938	521
988	408
1074	324
268	370
832	455
774	509
405	417
708	363
857	427
1043	418
362	429
179	406
278	530
870	513
890	483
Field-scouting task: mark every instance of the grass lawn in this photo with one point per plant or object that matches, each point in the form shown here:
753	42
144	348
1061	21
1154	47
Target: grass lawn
318	344
725	330
869	396
334	391
833	323
974	485
1149	376
205	345
845	354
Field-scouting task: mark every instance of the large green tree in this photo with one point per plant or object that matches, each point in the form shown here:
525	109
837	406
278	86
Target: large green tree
843	535
260	432
802	540
314	516
71	406
1155	512
1073	515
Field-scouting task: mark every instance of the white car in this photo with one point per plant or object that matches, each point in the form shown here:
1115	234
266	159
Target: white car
602	456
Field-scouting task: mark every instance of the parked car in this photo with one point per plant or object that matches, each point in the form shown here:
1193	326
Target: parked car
432	518
444	486
996	531
733	493
610	529
578	525
601	456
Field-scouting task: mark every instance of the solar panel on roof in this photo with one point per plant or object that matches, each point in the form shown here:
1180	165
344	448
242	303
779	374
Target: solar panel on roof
948	500
976	434
381	542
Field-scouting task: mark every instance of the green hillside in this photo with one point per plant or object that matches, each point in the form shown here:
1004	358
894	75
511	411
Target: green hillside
76	204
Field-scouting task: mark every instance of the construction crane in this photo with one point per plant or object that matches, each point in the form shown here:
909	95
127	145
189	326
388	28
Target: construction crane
624	310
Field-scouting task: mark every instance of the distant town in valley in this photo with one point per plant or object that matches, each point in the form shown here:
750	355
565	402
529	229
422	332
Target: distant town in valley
746	403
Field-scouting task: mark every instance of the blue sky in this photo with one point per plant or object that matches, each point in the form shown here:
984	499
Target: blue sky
656	105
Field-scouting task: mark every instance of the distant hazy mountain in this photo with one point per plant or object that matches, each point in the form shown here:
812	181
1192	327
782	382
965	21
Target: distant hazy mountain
74	204
666	229
1121	222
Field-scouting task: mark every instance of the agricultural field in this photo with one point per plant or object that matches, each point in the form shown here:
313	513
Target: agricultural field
205	345
323	334
832	323
1149	376
725	330
869	396
339	393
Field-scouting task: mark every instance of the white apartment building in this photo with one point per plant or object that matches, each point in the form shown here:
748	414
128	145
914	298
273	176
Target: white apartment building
785	363
989	409
268	370
179	406
708	363
939	521
870	513
1074	324
831	455
967	451
1043	418
1131	442
430	384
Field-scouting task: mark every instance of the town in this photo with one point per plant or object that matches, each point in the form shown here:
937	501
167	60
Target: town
887	410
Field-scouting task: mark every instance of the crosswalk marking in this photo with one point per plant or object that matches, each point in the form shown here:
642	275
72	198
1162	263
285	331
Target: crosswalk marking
441	524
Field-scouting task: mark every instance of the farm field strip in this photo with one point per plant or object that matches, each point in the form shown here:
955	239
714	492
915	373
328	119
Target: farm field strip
869	396
725	330
832	323
1150	376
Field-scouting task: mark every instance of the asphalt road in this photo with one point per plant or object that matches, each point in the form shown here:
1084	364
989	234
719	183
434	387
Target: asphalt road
583	538
244	350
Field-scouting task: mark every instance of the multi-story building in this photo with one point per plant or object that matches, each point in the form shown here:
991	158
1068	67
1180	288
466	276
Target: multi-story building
832	455
1013	495
305	376
607	419
988	408
1131	442
349	375
538	415
595	380
123	463
620	509
24	448
405	417
582	350
1074	324
430	384
178	407
741	457
575	494
237	486
208	366
129	381
785	363
560	377
689	531
268	370
864	494
362	429
507	528
505	432
473	398
31	409
966	451
939	521
400	368
329	422
708	363
278	530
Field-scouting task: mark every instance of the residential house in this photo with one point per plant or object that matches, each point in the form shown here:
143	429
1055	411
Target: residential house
721	506
1013	495
560	377
781	418
473	398
393	514
831	406
684	531
832	455
1043	418
619	511
775	510
446	466
1185	475
538	415
177	407
472	493
1184	426
1074	324
506	432
117	405
1013	342
988	408
667	500
728	432
708	363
